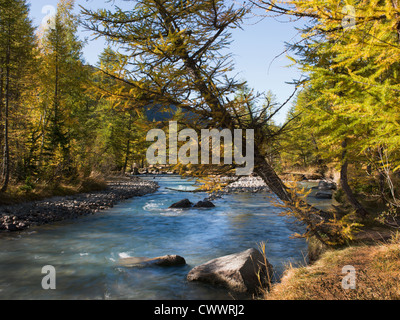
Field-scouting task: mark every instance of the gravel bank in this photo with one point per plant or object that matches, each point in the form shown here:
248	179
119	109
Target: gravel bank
250	184
247	184
25	215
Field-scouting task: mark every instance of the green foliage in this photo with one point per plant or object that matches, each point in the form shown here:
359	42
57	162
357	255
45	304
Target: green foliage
17	62
64	120
348	111
63	101
28	186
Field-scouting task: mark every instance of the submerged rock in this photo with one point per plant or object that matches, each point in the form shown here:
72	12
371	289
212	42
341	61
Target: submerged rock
164	261
237	272
183	204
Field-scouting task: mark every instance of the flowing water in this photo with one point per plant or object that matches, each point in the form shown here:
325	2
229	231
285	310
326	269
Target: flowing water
86	252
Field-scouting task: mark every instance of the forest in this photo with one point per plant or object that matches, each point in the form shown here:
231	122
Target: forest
65	123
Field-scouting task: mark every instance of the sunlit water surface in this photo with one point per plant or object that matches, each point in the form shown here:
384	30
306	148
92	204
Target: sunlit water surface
86	251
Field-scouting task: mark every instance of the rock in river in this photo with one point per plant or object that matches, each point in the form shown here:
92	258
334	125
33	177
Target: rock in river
183	204
204	204
237	272
164	261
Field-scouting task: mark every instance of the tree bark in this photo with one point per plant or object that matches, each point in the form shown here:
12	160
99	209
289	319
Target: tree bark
6	155
396	6
1	98
128	143
268	174
345	184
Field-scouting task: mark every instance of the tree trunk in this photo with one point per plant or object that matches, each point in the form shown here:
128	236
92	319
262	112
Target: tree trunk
396	6
6	155
56	99
128	143
268	174
382	179
345	184
1	98
381	173
128	146
42	140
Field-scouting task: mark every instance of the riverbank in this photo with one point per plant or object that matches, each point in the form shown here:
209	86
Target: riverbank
376	270
22	216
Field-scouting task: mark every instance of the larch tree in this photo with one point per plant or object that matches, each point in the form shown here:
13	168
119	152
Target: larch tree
173	53
64	79
123	128
17	43
352	58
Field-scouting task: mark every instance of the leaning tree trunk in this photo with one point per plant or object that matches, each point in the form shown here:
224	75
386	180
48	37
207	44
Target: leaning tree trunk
395	5
313	217
345	184
268	174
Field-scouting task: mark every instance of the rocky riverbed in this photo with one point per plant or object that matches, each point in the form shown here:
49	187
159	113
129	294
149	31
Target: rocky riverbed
25	215
254	184
247	184
251	184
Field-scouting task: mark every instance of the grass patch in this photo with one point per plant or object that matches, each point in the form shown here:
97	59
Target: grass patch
19	193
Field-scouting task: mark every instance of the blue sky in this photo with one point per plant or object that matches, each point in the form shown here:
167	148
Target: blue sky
254	49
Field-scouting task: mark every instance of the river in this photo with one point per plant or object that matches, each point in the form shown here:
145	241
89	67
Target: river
85	252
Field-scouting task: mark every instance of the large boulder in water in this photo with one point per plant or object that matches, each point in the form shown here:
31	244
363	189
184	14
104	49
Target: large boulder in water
164	261
237	272
183	204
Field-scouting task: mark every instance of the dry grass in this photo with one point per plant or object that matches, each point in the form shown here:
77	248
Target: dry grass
377	277
17	193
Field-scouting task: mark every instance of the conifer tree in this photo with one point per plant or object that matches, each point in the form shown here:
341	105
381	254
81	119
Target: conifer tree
17	43
172	50
350	52
124	124
64	78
